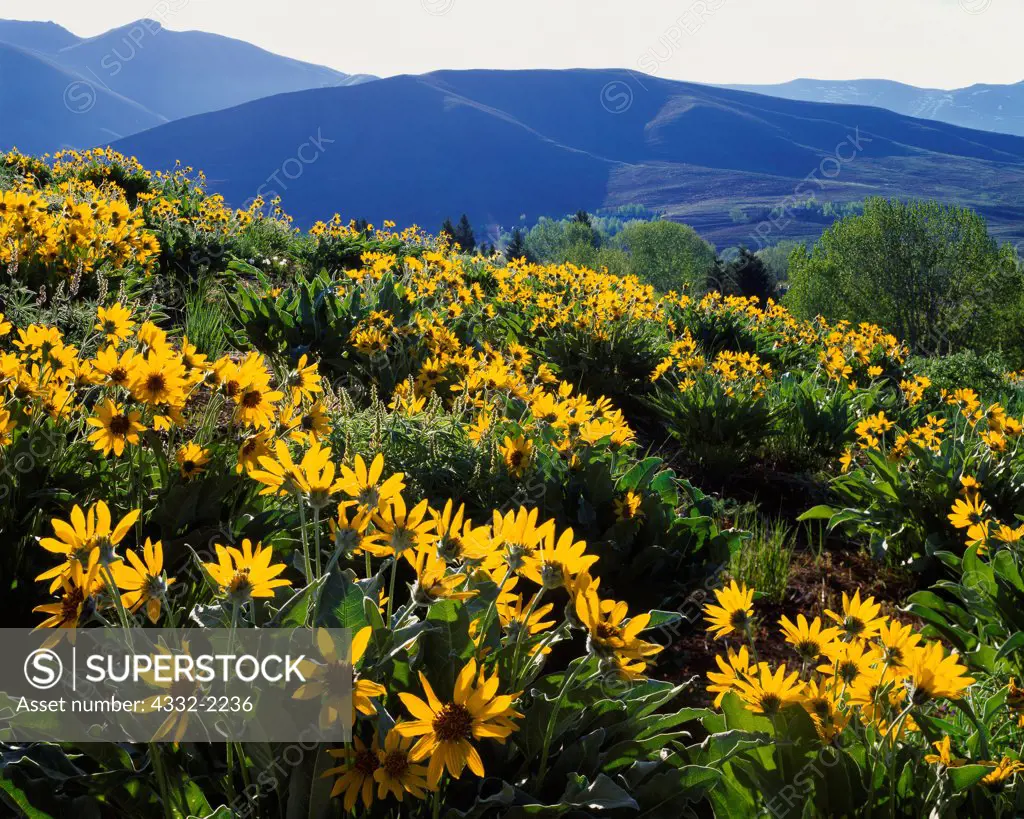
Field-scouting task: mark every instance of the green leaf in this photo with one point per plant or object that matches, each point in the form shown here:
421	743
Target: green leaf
16	796
967	776
820	512
446	647
1015	643
738	718
659	619
341	604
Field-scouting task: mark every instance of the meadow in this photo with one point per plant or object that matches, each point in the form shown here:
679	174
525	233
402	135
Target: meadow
604	550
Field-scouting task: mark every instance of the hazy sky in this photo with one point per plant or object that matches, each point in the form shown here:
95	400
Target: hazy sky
937	43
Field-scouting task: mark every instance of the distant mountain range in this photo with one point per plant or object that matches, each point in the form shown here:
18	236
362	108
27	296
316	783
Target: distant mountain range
510	145
506	147
60	90
985	107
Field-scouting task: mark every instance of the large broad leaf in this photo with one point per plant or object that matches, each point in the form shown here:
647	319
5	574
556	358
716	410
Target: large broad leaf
664	795
295	612
638	473
16	800
818	513
967	776
601	794
341	603
446	647
738	718
661	619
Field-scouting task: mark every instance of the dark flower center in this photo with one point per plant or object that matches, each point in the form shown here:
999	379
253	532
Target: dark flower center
604	631
240	583
454	722
338	679
70	604
366	762
808	648
396	763
120	425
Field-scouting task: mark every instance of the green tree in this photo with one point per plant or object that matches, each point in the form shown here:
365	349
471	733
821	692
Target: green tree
751	276
668	255
464	235
550	240
516	248
776	258
927	272
448	229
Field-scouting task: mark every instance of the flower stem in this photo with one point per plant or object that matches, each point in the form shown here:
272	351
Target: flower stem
161	778
307	565
552	721
391	586
490	613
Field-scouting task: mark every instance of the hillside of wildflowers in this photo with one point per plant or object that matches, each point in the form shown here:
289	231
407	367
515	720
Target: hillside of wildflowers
520	486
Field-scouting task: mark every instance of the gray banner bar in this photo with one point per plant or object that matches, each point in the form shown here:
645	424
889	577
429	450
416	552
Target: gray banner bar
176	685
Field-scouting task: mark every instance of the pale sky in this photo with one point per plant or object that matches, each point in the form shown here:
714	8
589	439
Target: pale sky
934	43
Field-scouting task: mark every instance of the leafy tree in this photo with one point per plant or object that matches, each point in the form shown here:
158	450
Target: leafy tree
776	258
738	215
583	218
929	273
668	255
550	240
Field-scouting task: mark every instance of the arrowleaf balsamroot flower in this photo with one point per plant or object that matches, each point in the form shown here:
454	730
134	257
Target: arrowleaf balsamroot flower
517	535
809	639
333	681
446	729
397	773
255	400
556	562
355	777
733	612
735	668
191	459
932	674
115	428
768	693
400	530
86	539
610	635
115	321
968	511
77	586
245	573
518	453
143	581
364	485
859	619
